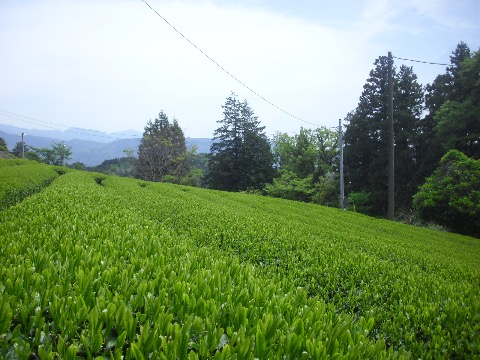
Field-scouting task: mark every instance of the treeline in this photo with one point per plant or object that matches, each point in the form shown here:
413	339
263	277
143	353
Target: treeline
429	121
57	154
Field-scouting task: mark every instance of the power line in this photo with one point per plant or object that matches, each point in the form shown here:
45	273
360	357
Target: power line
58	127
423	62
227	72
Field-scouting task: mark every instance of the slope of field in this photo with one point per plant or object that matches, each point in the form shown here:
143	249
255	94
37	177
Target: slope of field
21	178
103	266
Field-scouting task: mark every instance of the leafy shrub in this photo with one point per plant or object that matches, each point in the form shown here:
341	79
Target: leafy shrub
290	186
359	202
451	196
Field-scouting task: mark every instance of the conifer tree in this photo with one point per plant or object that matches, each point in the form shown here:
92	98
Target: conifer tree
162	154
445	87
366	137
240	156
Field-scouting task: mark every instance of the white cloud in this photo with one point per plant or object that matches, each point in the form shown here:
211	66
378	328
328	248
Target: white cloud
114	65
450	13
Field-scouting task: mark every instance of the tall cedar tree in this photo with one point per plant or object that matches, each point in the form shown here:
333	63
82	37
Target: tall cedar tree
366	137
445	87
458	120
240	156
162	153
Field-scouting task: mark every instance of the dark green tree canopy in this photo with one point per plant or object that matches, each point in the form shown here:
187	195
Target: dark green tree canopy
458	119
17	149
3	143
451	196
448	86
366	136
240	157
162	153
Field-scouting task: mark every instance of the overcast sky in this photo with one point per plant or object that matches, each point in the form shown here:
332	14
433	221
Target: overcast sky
111	65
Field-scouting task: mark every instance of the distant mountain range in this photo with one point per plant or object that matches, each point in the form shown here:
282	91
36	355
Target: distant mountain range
88	146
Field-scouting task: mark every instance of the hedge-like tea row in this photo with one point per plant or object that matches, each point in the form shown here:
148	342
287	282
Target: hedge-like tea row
104	266
21	178
421	284
83	274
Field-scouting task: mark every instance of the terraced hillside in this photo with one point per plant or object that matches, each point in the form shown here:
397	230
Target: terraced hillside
94	266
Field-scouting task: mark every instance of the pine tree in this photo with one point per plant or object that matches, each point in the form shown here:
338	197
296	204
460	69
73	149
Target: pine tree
458	119
408	107
162	154
445	87
366	137
240	156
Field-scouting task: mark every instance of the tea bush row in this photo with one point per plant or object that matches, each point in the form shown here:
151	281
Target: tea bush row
87	273
422	285
21	178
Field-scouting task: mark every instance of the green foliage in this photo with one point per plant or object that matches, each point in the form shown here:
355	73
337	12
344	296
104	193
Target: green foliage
3	145
289	186
311	152
359	202
240	158
366	137
446	87
306	166
124	166
17	149
458	125
162	153
146	270
451	196
198	169
56	155
21	178
78	165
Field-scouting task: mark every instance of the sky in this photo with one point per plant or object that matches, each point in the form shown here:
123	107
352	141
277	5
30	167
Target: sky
113	65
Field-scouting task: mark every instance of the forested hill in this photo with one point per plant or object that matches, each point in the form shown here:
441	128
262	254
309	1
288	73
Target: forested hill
87	151
94	265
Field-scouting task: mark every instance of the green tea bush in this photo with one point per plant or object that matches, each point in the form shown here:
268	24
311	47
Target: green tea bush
21	178
144	270
84	275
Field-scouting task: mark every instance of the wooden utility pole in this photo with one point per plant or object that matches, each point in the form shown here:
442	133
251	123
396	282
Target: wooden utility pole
340	146
391	146
23	146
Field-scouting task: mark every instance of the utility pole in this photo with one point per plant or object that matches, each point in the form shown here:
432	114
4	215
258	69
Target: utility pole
340	145
391	146
23	146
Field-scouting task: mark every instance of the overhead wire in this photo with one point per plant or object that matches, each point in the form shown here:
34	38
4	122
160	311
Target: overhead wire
423	62
55	126
227	72
102	135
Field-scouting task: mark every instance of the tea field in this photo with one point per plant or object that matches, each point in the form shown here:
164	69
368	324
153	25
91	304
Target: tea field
95	266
